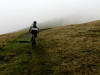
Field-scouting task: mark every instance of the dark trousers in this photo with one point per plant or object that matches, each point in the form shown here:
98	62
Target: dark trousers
33	39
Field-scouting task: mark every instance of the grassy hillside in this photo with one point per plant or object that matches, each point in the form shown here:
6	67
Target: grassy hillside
75	49
5	38
65	50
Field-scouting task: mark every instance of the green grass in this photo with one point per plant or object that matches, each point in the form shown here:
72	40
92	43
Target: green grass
16	60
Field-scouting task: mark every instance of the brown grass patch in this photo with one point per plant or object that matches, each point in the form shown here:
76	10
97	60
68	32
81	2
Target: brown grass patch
75	48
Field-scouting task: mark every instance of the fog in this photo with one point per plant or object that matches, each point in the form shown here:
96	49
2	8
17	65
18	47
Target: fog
19	14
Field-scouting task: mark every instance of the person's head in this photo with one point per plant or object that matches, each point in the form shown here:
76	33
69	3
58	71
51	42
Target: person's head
34	24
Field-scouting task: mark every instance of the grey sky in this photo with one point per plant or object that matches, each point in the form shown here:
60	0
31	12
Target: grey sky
17	14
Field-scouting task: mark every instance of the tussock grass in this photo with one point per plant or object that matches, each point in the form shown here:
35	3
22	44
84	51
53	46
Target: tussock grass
75	49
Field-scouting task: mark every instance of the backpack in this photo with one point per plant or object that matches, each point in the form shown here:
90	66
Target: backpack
34	30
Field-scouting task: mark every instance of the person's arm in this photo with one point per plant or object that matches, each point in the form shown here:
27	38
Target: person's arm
30	29
38	30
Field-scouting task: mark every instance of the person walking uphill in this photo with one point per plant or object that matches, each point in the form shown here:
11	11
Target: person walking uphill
34	30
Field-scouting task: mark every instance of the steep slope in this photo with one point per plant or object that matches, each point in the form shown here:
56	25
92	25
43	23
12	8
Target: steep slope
75	49
65	50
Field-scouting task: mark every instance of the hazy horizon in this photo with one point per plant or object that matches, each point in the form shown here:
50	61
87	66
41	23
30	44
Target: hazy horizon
19	14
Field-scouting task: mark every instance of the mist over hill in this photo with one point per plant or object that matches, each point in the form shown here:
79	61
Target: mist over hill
19	14
68	20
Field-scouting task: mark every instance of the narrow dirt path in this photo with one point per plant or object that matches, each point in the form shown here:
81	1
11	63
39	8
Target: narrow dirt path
40	63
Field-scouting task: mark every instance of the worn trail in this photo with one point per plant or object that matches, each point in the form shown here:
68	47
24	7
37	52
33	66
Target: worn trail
23	59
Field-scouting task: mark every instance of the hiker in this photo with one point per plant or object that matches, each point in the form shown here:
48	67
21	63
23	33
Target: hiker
34	30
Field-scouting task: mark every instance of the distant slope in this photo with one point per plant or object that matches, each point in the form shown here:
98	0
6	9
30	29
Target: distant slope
74	18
